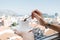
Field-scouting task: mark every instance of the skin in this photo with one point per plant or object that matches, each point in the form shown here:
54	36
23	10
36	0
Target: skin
25	35
38	15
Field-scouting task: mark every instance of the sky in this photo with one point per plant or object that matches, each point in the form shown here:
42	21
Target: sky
25	7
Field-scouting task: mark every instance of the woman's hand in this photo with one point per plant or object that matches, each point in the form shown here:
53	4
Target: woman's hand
38	15
37	12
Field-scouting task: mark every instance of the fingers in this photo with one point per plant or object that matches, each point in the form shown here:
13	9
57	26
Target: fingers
32	15
37	16
36	12
40	19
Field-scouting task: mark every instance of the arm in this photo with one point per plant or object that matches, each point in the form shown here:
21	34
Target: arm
54	27
38	16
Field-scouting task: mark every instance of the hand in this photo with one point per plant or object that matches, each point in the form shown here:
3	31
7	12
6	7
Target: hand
37	12
38	15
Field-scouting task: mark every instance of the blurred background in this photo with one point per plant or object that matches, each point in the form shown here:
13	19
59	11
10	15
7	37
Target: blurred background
25	7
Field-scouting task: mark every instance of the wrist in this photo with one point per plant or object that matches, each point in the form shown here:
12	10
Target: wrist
47	25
